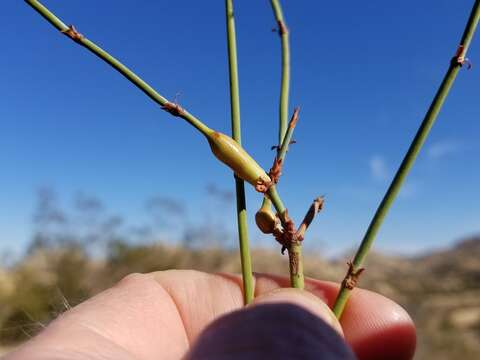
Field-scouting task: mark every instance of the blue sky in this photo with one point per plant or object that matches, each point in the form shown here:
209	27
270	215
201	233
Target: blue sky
364	74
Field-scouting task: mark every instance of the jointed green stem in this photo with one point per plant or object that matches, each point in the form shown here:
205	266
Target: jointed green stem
282	151
245	258
285	88
295	250
215	139
410	156
117	65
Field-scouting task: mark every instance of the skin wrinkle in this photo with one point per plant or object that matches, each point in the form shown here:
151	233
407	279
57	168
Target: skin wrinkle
179	311
172	290
201	280
233	294
143	284
44	350
104	337
149	292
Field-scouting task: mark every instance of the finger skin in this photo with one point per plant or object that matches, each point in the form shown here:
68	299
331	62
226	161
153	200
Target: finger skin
159	315
373	325
271	330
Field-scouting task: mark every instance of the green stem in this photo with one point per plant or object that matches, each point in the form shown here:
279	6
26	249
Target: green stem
295	249
285	88
410	156
288	136
284	137
296	265
117	65
284	147
245	257
141	84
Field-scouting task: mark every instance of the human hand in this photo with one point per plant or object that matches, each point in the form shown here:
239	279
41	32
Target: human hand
175	314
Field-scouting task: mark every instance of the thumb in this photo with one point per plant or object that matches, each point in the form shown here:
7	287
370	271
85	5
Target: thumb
303	299
281	324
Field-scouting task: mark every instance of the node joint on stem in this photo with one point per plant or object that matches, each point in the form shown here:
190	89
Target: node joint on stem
351	278
73	33
282	28
460	59
174	109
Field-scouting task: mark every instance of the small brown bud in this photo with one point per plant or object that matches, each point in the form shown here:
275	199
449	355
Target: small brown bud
265	218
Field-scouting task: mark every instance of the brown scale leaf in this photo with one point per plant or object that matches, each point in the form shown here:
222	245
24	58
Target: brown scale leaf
351	279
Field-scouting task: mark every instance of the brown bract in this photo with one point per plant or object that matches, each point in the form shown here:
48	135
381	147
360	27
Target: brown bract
174	109
460	59
351	279
282	28
314	209
73	34
276	170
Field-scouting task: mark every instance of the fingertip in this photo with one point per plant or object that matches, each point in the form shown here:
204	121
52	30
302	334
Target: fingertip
302	298
270	329
378	328
395	342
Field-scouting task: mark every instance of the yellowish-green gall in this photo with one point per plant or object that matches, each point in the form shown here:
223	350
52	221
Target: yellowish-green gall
236	158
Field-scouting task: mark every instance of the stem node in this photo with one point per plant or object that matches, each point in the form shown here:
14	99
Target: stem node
262	185
174	109
73	33
276	170
351	278
282	28
460	59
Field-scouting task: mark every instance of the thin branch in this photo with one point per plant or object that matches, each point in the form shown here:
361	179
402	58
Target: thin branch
456	63
72	33
245	257
314	209
224	148
287	140
276	169
285	82
287	239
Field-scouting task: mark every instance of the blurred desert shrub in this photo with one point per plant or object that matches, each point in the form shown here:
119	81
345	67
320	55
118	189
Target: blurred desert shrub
39	287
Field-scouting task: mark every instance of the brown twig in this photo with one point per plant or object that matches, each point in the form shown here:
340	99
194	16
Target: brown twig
294	118
314	209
